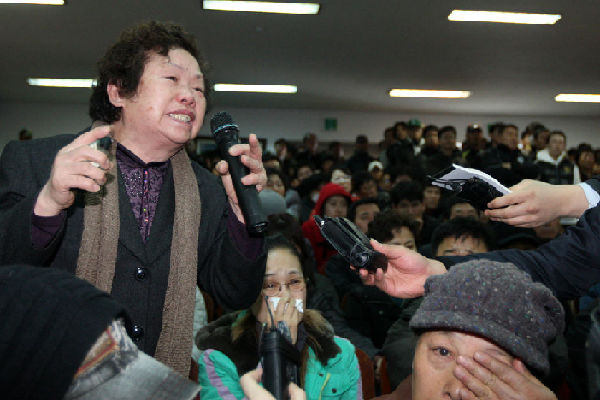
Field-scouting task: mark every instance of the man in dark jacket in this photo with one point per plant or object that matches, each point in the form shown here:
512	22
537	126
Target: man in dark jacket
505	161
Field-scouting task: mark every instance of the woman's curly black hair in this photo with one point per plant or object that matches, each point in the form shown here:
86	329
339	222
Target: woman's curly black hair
124	62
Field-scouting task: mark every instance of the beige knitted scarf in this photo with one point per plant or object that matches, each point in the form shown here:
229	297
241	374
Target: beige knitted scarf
98	253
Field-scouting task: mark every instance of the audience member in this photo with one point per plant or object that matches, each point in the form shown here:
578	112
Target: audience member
328	161
453	207
310	150
230	344
540	138
526	142
323	295
431	200
448	153
389	138
363	185
495	131
473	144
413	127
505	162
341	176
431	144
407	201
460	236
360	159
375	168
362	212
554	165
333	201
337	151
270	160
401	152
483	332
585	161
309	191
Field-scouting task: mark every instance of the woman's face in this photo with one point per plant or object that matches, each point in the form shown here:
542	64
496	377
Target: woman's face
335	206
283	279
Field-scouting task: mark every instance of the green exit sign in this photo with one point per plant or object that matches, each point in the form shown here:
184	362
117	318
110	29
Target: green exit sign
331	124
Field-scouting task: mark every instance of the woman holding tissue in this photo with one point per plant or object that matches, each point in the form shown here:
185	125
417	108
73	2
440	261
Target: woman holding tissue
230	345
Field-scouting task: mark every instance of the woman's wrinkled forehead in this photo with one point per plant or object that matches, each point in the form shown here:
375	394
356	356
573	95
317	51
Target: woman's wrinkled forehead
282	261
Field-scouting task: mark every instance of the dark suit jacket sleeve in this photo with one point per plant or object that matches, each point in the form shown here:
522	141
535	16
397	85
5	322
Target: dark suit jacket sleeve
568	265
24	169
233	278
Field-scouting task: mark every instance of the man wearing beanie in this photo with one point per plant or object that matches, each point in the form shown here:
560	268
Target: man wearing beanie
484	328
61	338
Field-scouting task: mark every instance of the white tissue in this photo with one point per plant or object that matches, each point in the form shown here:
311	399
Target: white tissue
275	301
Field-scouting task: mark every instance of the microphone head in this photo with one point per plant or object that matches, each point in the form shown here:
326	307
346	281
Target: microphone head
221	121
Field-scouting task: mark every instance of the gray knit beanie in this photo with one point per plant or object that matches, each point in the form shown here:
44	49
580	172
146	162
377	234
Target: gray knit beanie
498	302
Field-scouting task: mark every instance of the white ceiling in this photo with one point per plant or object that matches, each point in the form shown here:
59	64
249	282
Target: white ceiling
345	58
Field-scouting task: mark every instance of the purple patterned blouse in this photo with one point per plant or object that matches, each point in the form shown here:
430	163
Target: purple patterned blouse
143	182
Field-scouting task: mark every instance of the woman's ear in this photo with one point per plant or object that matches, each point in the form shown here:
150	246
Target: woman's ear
113	95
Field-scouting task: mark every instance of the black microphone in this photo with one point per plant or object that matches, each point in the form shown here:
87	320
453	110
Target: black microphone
226	134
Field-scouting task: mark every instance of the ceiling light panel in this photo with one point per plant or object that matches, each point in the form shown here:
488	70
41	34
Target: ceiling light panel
66	83
578	98
229	87
262	6
44	2
503	17
444	94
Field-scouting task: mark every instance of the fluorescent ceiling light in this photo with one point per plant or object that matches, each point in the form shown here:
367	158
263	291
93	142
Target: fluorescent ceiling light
446	94
46	2
73	83
503	17
578	98
228	87
262	6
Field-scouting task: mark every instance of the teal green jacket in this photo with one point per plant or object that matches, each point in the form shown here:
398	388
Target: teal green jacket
338	379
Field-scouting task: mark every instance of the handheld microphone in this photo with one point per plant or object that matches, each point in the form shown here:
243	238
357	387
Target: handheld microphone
226	134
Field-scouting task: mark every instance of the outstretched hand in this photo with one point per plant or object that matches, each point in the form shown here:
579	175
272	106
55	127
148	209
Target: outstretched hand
533	203
251	156
406	272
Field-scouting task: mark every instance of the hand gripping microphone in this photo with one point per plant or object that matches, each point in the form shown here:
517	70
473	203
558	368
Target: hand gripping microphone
226	134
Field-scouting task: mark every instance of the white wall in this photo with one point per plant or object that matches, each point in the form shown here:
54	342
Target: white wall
46	119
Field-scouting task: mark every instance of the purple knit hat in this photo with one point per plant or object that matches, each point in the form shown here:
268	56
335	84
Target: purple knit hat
498	302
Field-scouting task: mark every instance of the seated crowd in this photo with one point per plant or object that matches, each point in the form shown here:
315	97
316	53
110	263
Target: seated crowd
410	342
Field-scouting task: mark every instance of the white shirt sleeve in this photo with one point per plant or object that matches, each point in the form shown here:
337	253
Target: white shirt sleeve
591	195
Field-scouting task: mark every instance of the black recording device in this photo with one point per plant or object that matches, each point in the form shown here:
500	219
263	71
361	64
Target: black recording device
226	134
280	359
351	243
469	184
474	190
